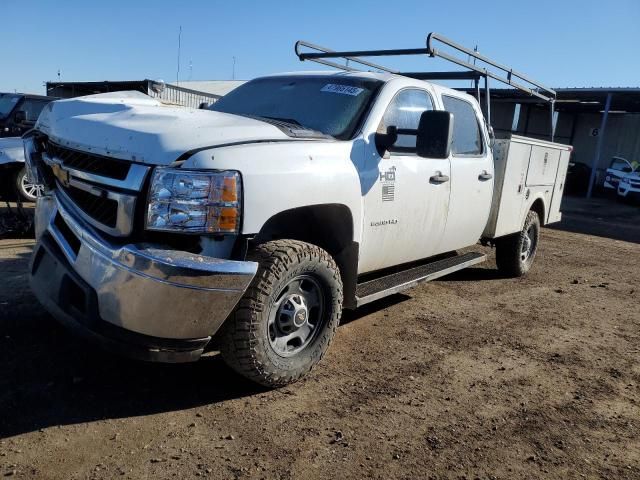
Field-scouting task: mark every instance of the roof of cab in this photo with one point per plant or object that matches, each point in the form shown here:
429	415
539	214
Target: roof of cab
382	76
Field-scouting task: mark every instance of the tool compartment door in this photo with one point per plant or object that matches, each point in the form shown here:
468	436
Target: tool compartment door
511	159
554	211
543	166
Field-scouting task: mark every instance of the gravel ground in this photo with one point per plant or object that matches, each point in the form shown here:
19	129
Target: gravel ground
472	376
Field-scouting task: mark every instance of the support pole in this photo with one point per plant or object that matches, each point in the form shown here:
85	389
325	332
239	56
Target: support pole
487	100
552	123
596	157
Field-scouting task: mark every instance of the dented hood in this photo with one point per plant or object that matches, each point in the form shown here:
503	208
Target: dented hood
134	126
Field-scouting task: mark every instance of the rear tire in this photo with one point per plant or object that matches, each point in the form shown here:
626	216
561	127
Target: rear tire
288	316
515	253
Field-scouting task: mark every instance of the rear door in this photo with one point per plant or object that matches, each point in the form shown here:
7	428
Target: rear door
405	211
471	176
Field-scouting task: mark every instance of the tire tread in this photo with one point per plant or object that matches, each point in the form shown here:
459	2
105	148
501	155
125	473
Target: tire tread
239	342
508	250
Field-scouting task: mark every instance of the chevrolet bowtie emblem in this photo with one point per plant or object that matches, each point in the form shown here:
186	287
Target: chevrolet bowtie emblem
61	174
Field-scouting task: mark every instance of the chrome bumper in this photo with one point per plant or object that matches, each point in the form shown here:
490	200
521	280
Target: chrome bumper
152	292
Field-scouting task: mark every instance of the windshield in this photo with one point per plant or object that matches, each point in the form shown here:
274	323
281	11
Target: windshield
621	164
7	102
332	105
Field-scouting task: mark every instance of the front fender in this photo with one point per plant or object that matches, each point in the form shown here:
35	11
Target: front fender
277	177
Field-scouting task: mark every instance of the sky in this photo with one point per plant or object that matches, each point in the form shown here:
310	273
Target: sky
561	43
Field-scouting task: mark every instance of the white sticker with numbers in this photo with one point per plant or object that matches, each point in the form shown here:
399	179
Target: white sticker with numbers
343	89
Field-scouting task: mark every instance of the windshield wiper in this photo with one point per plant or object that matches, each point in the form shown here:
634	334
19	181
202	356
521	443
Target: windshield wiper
290	121
291	124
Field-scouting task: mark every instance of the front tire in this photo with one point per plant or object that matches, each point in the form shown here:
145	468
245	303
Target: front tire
515	253
288	316
27	191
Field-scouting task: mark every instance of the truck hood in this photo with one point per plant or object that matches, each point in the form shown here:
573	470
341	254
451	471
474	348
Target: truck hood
133	126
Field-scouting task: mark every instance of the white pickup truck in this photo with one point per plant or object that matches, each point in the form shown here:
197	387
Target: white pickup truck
252	224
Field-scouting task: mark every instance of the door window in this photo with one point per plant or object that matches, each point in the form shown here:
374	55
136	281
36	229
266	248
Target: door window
467	139
620	164
404	112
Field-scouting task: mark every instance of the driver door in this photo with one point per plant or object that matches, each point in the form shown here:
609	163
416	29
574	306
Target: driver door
405	209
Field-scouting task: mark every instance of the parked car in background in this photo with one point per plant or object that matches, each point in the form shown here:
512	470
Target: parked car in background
19	112
578	176
629	187
618	168
13	172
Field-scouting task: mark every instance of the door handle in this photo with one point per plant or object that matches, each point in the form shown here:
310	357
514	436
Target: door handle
439	178
484	176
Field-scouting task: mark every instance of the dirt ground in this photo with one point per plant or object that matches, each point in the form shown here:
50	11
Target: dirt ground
472	376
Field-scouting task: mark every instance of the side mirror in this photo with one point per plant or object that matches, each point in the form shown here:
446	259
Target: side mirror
384	141
435	132
20	116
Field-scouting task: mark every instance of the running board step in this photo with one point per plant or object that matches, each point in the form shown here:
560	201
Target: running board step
396	282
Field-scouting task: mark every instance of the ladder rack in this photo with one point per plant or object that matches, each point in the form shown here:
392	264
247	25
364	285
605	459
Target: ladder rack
504	74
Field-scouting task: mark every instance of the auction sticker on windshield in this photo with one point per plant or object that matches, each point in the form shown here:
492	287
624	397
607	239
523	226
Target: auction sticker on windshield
343	89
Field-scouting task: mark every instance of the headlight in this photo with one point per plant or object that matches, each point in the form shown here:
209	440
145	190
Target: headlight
194	201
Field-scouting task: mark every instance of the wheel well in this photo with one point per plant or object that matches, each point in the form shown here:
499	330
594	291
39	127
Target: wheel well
8	177
538	207
330	227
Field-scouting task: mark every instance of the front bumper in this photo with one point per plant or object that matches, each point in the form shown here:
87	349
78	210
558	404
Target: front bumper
629	192
137	299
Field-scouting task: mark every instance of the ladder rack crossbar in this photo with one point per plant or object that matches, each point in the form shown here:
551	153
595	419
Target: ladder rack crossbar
474	72
433	36
326	53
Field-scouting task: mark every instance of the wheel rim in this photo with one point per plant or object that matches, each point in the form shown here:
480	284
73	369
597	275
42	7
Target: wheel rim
30	190
297	316
528	244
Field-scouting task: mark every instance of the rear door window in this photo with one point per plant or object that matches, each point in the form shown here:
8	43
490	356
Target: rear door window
467	137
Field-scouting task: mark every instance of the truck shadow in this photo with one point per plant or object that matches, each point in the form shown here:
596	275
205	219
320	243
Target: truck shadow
50	378
602	216
473	274
349	316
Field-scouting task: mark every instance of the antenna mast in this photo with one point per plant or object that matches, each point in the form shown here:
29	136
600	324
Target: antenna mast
178	69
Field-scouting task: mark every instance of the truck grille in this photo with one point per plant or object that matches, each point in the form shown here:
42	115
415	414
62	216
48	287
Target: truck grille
103	210
104	190
86	162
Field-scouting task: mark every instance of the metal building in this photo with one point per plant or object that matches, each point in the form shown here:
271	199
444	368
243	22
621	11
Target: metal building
598	122
166	92
215	87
